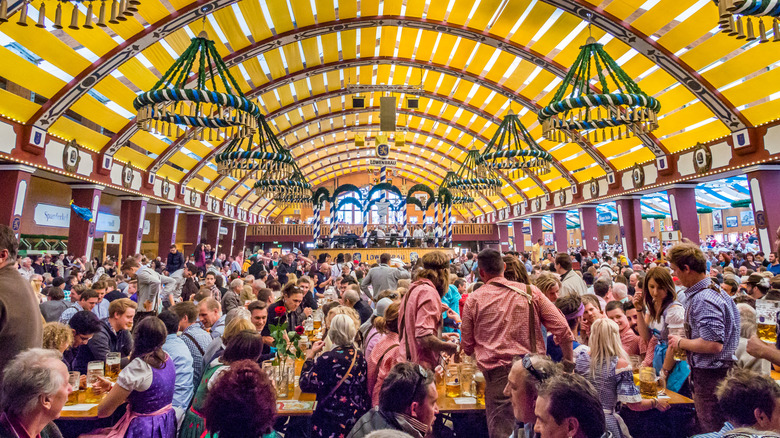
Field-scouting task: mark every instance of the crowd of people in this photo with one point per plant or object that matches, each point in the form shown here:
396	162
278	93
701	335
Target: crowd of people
557	337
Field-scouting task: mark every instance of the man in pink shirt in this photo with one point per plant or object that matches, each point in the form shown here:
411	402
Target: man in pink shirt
498	325
629	339
420	316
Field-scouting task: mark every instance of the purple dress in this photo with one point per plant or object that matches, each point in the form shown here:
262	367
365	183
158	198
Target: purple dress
158	396
149	413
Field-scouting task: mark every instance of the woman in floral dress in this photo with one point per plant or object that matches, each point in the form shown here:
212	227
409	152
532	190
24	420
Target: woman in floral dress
339	378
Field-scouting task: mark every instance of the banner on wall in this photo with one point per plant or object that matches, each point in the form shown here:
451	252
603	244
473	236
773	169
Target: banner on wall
717	221
107	223
48	215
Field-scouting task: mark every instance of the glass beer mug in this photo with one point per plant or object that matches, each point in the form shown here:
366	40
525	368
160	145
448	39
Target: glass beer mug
94	370
479	388
766	318
74	378
113	361
452	380
648	388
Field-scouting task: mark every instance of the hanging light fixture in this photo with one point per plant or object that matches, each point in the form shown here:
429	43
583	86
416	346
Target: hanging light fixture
250	156
121	10
292	190
472	179
765	13
459	197
173	103
621	109
512	149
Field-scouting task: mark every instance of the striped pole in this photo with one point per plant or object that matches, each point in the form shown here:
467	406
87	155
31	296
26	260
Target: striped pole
436	223
332	224
383	193
449	225
365	227
406	223
316	222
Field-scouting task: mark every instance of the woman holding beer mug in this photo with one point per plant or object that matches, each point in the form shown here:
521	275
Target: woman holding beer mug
608	368
146	383
659	315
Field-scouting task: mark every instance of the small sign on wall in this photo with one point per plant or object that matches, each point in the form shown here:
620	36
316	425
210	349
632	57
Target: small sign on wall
112	238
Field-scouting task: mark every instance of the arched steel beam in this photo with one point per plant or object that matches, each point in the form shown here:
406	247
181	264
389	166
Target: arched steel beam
441	98
453	125
368	170
412	169
461	74
359	111
115	58
405	161
425	148
180	142
721	107
421	146
401	159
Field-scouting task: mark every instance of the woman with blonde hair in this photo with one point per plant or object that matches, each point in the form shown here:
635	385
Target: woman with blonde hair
607	367
338	377
36	281
549	284
57	336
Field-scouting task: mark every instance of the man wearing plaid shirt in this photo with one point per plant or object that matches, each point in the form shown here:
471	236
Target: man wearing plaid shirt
499	326
712	328
193	335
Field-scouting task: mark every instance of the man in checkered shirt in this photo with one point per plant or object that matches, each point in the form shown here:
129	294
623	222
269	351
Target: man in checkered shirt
712	328
498	326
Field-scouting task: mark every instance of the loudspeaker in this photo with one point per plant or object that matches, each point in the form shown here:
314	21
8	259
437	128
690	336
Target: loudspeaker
358	102
387	113
413	103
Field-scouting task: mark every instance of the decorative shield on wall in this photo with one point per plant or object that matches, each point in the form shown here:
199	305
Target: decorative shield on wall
638	176
71	156
128	175
702	158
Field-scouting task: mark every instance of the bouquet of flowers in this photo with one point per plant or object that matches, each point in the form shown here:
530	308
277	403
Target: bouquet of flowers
286	342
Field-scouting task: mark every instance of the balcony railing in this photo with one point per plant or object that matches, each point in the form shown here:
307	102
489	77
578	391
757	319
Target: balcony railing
290	232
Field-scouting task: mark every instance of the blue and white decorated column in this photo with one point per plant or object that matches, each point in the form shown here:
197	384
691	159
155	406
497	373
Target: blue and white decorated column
436	223
405	222
333	224
449	225
365	227
316	224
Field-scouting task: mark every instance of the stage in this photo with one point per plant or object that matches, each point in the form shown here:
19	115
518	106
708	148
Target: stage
371	255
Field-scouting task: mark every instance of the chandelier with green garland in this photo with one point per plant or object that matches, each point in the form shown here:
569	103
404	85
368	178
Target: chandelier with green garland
472	180
764	12
252	156
459	197
621	110
512	149
285	184
213	103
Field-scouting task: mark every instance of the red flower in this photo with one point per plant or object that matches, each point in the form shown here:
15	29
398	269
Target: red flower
299	330
280	311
